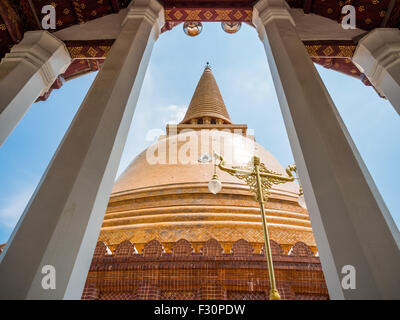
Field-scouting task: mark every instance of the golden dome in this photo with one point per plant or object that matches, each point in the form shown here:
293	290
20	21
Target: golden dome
143	172
207	100
168	202
163	194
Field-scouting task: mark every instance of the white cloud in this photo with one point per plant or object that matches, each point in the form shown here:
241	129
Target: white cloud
255	86
14	206
176	113
152	113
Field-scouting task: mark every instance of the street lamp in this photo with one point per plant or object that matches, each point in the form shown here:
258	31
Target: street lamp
260	181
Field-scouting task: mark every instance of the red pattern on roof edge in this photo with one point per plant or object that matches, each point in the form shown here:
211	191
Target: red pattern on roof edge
88	56
18	16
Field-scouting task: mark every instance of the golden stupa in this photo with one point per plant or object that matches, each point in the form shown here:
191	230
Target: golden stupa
163	194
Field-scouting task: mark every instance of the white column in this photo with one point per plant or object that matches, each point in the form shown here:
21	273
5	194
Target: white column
378	56
62	221
351	224
27	72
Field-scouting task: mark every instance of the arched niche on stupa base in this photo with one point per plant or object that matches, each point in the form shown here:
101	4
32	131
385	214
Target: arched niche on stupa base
101	250
293	272
125	249
276	249
286	238
210	248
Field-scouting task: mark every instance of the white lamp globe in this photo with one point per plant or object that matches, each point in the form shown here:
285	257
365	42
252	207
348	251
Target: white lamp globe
214	185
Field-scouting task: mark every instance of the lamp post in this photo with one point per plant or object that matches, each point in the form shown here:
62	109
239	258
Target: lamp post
260	181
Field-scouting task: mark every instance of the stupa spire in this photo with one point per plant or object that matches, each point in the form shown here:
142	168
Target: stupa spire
207	102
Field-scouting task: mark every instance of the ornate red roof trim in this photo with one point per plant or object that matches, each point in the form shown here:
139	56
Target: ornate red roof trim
335	55
209	14
329	48
18	16
90	55
89	49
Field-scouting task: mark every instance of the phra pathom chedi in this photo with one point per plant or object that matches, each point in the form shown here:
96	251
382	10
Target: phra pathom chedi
166	236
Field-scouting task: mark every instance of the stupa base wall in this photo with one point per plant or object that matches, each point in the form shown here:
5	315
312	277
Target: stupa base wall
208	275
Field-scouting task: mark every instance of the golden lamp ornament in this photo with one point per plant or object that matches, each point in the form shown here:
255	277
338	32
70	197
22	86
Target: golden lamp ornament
260	180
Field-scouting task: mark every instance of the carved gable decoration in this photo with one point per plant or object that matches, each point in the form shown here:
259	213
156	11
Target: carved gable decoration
182	248
276	249
212	248
101	250
300	249
242	248
125	249
153	249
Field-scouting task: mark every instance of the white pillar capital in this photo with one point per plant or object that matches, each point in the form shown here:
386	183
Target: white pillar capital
150	10
265	11
26	72
43	52
378	57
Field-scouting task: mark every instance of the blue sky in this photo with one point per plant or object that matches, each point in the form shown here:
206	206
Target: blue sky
240	67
